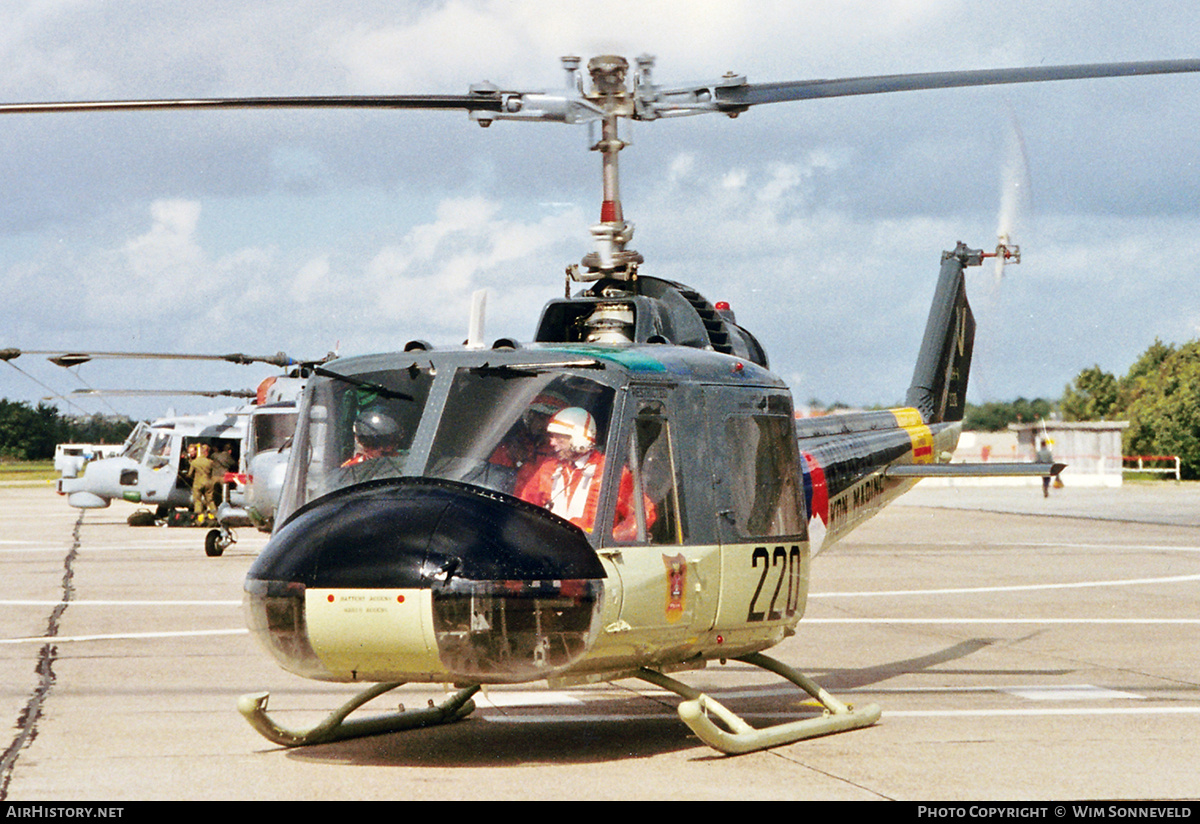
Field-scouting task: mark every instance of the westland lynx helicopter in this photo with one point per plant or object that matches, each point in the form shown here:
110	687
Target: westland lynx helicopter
149	468
254	490
626	496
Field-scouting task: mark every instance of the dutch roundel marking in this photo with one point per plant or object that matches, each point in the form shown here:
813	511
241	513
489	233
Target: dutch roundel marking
777	595
816	492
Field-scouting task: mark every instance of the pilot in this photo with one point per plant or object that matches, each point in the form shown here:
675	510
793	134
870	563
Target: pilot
567	481
525	444
376	435
202	471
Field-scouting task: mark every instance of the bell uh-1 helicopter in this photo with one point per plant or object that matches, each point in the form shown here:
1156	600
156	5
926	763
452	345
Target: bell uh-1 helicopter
433	525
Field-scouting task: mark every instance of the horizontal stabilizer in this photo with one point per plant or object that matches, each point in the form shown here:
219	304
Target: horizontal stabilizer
974	470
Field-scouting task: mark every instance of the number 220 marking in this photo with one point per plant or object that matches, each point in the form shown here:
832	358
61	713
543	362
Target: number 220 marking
787	564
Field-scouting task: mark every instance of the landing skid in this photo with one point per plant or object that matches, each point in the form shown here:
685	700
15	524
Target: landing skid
740	737
336	728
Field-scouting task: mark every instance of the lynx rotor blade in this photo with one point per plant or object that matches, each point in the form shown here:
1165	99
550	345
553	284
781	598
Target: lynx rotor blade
204	393
67	358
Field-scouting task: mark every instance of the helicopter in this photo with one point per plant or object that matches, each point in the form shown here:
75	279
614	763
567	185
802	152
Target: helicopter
253	493
430	527
257	436
148	467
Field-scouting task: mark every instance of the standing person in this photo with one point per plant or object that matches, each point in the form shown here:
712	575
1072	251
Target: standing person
1044	455
225	463
203	474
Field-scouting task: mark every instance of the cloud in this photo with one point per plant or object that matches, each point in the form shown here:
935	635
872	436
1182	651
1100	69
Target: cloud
425	281
821	221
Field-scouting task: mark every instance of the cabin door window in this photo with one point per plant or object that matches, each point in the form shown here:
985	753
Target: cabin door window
761	489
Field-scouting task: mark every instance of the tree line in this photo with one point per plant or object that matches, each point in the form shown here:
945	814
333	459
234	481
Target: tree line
1159	396
30	433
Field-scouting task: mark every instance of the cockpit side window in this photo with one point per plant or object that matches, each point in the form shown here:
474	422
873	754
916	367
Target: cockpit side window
272	429
648	506
160	450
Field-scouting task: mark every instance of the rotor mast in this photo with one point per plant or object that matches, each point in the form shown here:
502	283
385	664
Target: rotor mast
612	97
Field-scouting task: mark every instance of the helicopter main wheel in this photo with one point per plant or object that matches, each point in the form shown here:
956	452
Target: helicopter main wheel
217	539
213	544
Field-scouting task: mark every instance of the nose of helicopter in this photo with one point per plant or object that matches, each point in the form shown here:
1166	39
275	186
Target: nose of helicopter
416	579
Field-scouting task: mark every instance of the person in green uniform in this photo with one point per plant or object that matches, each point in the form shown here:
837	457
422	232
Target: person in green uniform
203	473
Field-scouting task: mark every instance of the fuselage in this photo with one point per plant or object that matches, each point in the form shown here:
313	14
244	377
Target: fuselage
425	564
148	470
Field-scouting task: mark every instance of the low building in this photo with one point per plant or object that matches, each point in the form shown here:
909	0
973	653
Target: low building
1090	449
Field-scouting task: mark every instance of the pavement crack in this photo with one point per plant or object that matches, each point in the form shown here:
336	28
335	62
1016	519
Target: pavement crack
31	713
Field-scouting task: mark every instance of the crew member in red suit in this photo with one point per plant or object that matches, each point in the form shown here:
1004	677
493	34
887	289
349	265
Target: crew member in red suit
567	481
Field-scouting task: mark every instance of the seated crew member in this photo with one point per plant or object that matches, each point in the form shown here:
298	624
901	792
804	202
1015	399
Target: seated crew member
376	435
567	481
525	444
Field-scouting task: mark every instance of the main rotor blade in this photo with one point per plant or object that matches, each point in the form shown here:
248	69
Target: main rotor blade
752	94
472	102
205	393
67	357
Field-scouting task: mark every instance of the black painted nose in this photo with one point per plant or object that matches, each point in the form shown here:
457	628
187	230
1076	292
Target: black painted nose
513	591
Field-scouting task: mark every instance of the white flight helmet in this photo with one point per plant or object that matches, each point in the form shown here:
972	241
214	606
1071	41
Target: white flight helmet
577	424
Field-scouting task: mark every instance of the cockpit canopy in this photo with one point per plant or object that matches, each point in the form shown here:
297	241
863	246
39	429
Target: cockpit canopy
361	423
613	439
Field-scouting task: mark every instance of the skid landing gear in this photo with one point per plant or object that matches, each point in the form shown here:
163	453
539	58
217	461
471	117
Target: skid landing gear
739	737
335	727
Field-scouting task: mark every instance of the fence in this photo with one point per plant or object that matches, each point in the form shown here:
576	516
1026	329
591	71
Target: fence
1156	459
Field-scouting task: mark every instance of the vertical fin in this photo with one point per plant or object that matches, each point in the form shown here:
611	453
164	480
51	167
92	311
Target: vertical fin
939	383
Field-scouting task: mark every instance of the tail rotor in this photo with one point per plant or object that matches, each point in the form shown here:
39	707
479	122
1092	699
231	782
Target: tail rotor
1015	199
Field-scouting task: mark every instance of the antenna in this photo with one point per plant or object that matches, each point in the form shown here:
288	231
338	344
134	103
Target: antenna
475	325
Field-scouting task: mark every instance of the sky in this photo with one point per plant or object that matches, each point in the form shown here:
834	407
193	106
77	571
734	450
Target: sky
822	223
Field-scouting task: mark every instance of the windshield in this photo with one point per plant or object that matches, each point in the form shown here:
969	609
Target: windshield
272	427
353	428
490	431
494	423
136	443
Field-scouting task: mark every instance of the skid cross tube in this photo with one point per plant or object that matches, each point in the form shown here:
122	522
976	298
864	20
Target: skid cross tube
740	737
335	727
